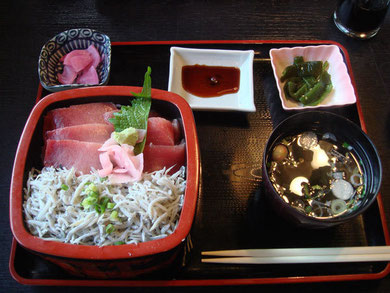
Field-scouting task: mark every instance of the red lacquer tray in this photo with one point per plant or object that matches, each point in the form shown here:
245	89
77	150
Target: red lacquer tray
231	213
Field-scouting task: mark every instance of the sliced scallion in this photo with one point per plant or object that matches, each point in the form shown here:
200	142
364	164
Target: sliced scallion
110	228
114	215
338	206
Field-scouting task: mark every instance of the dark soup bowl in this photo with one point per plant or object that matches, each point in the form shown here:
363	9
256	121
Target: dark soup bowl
320	170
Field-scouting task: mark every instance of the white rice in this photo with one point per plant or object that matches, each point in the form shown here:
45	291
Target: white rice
148	209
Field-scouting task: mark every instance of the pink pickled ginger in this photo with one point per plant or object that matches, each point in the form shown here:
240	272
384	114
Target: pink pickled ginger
119	162
78	59
88	76
95	55
80	67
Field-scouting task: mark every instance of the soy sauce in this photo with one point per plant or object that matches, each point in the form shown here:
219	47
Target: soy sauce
362	15
210	81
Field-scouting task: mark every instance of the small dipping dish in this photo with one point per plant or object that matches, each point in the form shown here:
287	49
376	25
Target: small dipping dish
215	67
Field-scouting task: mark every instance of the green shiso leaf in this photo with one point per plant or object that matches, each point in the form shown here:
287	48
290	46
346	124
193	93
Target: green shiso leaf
137	114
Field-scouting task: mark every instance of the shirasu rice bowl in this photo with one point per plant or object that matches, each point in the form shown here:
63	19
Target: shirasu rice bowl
57	207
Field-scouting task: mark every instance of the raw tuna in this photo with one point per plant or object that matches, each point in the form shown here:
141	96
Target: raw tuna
85	132
78	59
157	157
176	130
109	115
76	115
160	132
88	76
72	153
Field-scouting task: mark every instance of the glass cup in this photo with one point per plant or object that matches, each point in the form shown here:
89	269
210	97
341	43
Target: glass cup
360	19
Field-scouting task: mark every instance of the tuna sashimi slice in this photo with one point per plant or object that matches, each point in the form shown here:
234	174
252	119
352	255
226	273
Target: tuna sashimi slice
157	157
109	115
160	131
95	55
88	76
78	59
67	76
72	153
176	130
85	132
78	114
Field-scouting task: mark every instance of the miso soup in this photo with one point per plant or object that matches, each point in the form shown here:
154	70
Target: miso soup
317	174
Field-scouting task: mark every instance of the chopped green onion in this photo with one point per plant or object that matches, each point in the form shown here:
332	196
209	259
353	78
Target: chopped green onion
308	209
110	205
93	194
345	145
119	243
88	202
110	228
103	203
114	215
91	188
338	206
64	187
102	179
98	209
305	189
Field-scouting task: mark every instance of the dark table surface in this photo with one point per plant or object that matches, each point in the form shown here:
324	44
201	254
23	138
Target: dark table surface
26	25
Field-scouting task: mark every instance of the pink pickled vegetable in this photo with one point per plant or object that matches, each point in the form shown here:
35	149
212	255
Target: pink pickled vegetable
88	76
95	55
80	67
119	162
78	59
67	76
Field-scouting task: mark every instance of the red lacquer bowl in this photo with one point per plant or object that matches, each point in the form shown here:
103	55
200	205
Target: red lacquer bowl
108	261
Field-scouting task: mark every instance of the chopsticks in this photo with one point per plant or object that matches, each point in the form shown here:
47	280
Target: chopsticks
299	255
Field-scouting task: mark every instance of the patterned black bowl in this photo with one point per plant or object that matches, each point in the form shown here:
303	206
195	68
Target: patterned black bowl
49	64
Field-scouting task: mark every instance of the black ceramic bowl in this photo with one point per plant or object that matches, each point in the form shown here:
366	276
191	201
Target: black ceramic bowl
344	130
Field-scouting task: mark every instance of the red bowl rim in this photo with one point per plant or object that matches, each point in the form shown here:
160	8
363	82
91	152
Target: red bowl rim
126	251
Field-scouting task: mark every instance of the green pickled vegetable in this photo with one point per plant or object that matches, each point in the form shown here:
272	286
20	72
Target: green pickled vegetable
311	68
307	82
289	71
298	60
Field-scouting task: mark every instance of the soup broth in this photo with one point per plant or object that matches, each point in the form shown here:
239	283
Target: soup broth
317	174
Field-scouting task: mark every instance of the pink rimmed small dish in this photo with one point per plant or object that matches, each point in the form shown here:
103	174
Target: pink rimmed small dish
342	93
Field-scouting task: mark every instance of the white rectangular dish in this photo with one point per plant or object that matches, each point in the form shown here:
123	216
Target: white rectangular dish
243	100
